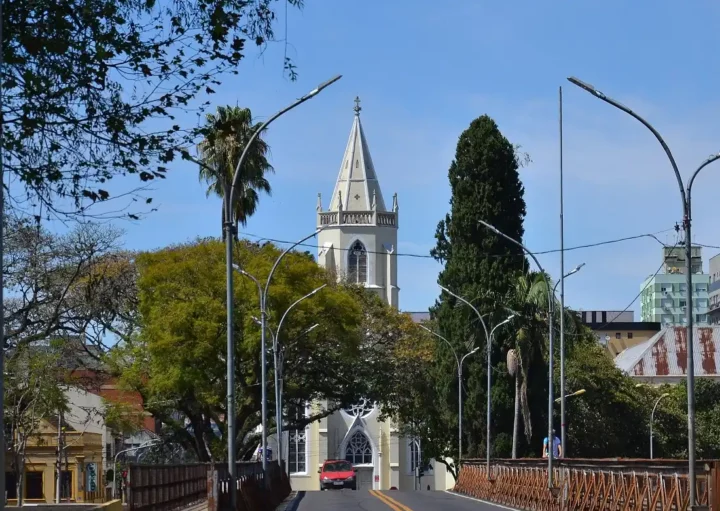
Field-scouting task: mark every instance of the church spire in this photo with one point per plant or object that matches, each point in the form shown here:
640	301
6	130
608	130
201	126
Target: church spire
357	185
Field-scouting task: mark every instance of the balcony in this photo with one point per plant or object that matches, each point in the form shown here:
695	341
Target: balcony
375	218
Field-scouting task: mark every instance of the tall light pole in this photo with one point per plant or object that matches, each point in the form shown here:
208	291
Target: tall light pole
459	362
685	197
562	351
550	344
263	295
488	341
652	418
276	340
230	192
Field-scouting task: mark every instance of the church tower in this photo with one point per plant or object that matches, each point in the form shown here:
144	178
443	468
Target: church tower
359	236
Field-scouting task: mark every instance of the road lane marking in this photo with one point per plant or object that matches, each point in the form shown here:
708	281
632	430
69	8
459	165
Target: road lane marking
394	504
493	504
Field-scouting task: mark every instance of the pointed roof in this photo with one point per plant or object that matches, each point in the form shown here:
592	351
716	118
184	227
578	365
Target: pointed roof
357	184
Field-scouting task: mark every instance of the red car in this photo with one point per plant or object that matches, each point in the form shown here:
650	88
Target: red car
337	474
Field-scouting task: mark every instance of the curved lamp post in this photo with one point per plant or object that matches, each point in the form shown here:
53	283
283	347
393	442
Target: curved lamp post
562	353
459	362
263	294
488	340
229	198
278	368
652	418
685	197
550	344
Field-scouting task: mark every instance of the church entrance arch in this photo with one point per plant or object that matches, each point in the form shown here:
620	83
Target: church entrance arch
359	450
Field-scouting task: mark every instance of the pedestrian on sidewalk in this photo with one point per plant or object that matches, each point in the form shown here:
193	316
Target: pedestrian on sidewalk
557	447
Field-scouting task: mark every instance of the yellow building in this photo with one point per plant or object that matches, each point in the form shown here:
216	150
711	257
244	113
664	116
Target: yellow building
618	330
81	472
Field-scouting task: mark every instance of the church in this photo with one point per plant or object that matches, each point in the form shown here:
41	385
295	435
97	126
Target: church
358	242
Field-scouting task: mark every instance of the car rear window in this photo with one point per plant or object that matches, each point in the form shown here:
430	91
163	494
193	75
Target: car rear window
338	466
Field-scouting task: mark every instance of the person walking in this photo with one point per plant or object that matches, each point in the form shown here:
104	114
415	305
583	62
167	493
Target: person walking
557	447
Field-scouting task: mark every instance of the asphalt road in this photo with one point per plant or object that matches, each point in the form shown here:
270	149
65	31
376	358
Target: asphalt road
363	500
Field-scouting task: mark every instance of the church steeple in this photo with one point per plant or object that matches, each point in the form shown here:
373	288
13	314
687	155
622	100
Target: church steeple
357	185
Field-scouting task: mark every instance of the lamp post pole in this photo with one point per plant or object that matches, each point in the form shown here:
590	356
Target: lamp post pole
685	197
459	362
488	340
278	394
550	344
263	294
562	345
229	198
652	418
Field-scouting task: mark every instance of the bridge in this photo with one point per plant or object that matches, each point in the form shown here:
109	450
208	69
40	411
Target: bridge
579	484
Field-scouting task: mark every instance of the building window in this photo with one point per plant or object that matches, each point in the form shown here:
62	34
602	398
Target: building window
357	263
630	335
297	451
66	485
361	409
11	485
683	303
618	335
34	485
358	450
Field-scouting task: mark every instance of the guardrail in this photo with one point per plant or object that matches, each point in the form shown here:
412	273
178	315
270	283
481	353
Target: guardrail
598	484
166	487
254	493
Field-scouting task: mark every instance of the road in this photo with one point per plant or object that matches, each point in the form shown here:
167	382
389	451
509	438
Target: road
363	500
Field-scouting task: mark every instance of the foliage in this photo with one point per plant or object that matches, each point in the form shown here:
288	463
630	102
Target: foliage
226	135
32	394
55	284
93	89
177	361
481	267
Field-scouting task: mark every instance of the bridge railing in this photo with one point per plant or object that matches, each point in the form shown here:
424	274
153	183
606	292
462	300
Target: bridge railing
599	484
166	487
253	492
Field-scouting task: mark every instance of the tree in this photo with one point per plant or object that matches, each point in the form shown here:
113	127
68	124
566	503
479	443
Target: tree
482	267
53	281
32	394
94	89
226	136
177	361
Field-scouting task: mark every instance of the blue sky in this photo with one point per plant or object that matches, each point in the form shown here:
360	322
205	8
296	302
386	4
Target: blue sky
424	69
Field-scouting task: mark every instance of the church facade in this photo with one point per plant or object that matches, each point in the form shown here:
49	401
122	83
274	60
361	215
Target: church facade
358	241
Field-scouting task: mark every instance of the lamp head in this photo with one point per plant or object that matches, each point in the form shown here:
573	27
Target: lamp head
578	267
474	350
665	395
491	227
323	85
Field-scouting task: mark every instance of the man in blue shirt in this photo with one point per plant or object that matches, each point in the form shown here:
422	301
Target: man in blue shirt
557	447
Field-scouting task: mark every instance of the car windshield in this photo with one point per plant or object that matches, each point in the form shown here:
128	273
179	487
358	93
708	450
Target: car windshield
338	466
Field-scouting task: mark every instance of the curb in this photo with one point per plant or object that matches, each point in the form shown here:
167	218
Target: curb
287	504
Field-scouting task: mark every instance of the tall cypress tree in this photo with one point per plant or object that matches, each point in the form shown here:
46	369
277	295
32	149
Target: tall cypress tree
482	268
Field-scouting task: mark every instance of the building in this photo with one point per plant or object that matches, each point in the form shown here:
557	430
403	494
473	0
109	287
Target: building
664	295
663	358
358	242
714	297
618	330
82	466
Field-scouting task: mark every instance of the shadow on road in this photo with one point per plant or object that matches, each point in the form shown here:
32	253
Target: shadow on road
296	502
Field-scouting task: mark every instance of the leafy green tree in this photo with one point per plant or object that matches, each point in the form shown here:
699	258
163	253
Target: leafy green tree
481	267
226	135
177	360
93	89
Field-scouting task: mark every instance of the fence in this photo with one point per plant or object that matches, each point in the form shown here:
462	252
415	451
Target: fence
166	487
658	485
252	491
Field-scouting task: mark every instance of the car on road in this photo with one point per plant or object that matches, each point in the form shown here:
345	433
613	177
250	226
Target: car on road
337	474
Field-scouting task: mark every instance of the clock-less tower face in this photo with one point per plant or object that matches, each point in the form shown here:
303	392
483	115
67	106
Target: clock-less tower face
359	237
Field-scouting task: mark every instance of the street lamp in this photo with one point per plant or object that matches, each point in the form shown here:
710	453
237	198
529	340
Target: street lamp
550	343
652	418
150	443
229	198
685	197
574	394
278	397
562	353
459	362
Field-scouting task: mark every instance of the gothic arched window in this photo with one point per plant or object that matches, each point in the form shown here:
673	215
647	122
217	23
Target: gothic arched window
357	263
358	450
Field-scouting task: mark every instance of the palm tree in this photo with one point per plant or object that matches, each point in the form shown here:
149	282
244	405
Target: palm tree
226	134
530	303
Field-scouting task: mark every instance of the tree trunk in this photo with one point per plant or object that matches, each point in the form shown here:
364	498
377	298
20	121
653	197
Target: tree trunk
516	419
20	475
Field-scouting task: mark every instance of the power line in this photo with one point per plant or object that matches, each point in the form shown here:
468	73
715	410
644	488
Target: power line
428	256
